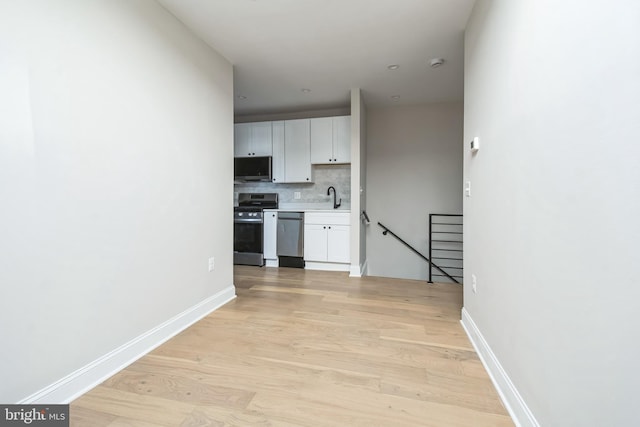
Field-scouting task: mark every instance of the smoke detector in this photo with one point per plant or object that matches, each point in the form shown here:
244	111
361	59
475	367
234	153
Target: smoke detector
436	62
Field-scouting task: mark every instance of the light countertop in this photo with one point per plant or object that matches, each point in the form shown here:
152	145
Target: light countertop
311	207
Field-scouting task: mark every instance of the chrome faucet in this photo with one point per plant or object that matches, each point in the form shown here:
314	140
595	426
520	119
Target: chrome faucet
335	205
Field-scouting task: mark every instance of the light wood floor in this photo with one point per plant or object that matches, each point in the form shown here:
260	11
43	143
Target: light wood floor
308	348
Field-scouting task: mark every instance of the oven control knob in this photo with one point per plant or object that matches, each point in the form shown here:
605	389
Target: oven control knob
239	213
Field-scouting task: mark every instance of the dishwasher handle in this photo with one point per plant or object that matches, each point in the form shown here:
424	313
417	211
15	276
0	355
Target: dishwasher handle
299	216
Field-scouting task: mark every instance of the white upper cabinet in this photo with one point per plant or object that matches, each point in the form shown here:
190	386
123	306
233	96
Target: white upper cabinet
322	140
295	145
252	139
277	162
261	139
330	140
242	139
297	151
342	139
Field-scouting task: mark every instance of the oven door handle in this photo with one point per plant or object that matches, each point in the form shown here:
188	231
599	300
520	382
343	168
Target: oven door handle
248	221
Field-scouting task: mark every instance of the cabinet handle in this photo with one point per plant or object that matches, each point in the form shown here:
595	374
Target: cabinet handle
324	228
329	228
335	160
307	179
330	160
248	154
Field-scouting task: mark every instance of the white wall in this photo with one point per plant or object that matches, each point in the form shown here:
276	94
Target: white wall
552	228
116	133
414	168
358	248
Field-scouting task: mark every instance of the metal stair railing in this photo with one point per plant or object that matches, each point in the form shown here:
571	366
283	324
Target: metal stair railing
431	264
445	244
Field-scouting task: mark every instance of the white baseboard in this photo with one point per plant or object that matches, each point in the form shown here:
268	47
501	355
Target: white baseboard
271	263
326	266
510	396
84	379
358	270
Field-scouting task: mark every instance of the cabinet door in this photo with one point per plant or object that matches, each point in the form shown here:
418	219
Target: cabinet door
261	139
342	139
242	140
321	140
277	162
270	234
297	151
338	243
315	242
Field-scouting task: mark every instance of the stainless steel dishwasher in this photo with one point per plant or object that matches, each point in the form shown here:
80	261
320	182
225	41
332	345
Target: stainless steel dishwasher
290	239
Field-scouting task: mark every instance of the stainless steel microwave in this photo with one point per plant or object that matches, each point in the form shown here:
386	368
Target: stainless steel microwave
252	168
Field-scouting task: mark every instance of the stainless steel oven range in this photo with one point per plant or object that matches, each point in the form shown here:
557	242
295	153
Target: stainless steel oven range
248	225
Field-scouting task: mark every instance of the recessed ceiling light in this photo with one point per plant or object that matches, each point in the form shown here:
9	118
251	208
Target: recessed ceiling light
396	98
436	62
305	90
393	67
242	97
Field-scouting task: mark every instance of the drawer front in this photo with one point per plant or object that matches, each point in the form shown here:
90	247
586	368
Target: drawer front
326	218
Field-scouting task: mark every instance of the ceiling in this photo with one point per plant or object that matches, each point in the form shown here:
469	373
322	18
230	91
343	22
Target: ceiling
280	47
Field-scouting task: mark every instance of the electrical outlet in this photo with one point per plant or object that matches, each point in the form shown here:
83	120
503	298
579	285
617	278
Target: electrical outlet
467	189
212	264
296	195
474	284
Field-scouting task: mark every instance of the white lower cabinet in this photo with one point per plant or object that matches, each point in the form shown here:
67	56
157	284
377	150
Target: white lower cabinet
269	239
326	241
315	242
338	243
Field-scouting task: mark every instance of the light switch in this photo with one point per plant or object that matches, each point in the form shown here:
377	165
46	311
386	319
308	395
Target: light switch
475	144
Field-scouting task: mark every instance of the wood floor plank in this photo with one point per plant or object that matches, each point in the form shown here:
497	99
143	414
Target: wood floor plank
128	422
135	406
309	348
85	417
173	387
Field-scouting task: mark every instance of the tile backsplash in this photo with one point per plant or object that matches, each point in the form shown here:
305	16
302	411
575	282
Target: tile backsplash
338	176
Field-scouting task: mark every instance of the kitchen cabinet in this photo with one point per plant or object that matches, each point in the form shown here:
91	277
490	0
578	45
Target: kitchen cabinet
326	240
288	142
330	140
252	139
277	161
315	242
270	231
297	151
